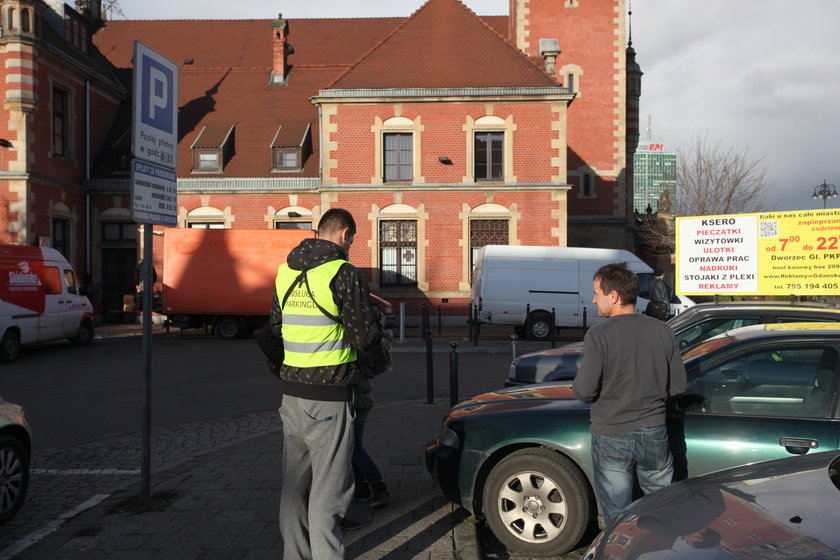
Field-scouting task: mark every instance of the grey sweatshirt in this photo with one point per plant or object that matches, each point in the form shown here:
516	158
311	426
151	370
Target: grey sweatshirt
631	364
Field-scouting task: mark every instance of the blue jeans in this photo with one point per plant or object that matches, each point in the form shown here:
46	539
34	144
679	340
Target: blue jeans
364	469
616	458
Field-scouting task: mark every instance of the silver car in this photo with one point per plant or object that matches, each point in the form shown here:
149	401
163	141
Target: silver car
15	451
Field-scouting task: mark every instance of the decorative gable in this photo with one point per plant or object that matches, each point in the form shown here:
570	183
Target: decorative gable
443	45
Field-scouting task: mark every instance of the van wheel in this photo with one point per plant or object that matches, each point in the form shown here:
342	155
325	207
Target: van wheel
84	336
9	347
229	327
539	326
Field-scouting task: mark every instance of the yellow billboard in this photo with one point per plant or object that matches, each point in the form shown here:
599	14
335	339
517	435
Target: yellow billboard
777	253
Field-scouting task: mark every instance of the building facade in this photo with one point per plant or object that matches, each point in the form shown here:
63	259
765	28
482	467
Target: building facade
441	132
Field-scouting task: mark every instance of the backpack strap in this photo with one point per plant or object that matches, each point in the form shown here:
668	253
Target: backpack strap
303	279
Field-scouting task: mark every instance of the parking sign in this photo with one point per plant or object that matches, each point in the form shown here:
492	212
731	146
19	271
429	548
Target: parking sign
155	137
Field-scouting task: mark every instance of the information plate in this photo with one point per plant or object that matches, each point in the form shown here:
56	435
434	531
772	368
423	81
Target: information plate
778	253
154	194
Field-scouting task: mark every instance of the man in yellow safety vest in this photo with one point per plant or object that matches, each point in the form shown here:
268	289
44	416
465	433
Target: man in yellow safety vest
321	315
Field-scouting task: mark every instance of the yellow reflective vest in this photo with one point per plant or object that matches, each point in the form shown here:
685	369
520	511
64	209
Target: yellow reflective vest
311	337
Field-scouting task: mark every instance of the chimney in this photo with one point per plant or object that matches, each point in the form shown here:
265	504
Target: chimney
279	29
549	49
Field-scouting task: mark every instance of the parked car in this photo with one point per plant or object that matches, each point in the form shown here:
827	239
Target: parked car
787	508
692	327
520	457
15	451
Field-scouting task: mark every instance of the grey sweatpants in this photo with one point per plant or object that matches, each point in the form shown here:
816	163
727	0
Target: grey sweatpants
317	478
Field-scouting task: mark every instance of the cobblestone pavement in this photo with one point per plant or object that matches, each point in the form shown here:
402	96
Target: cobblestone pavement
215	493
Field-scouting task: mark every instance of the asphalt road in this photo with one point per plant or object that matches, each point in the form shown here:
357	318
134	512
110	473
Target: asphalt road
76	395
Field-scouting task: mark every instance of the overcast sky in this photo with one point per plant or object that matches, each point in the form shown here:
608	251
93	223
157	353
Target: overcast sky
763	75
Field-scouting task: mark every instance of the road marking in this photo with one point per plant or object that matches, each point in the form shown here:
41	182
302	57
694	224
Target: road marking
87	472
27	541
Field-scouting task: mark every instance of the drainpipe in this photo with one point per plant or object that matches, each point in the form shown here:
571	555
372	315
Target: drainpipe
88	264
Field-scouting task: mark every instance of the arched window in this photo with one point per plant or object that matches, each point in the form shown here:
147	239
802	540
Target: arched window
398	245
293	217
24	20
206	217
489	225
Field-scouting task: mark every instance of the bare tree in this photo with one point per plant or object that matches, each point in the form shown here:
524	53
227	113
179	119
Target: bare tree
711	179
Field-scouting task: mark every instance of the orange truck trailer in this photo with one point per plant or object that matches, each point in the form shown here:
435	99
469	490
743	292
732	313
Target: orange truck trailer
223	278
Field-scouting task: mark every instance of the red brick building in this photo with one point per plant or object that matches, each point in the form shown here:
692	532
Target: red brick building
441	132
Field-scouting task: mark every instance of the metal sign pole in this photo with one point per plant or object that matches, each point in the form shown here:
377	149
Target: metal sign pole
154	196
148	287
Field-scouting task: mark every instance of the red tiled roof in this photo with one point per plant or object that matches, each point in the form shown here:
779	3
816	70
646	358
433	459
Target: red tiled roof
212	136
244	43
443	45
227	82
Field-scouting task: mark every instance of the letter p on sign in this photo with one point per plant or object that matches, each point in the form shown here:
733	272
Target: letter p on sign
158	95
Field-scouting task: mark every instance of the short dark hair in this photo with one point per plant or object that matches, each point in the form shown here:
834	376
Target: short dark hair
618	278
336	219
658	272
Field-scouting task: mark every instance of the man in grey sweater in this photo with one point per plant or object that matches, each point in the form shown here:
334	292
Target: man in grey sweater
631	364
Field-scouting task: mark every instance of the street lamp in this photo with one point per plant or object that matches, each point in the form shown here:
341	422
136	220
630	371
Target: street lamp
824	191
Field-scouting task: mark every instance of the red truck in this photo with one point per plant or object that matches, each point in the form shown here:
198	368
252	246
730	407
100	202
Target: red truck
223	279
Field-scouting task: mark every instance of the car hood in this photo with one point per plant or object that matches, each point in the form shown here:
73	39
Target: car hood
548	365
788	508
554	395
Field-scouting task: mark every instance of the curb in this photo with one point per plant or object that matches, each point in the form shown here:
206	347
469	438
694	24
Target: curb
465	535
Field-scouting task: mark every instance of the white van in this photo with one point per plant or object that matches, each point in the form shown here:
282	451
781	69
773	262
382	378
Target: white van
40	300
520	285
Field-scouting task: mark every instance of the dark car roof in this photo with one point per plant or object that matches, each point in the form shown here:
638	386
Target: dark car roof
697	312
790	502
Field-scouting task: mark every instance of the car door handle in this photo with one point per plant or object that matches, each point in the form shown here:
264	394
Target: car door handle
798	446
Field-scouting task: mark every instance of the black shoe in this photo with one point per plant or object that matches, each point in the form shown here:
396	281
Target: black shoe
379	495
350	525
362	492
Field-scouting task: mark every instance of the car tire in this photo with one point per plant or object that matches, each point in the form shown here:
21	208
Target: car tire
84	336
9	347
229	327
538	503
539	326
14	476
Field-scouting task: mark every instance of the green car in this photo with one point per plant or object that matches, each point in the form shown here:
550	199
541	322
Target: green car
520	457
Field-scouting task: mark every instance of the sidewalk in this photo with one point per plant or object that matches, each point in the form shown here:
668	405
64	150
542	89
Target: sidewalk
223	504
494	339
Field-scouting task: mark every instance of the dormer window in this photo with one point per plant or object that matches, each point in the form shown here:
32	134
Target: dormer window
291	145
286	159
213	148
207	160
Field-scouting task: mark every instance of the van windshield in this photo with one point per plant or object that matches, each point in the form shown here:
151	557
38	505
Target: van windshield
70	281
